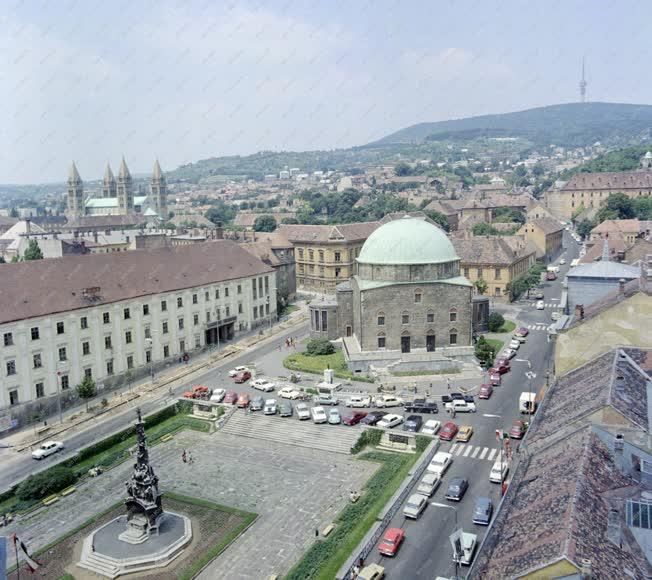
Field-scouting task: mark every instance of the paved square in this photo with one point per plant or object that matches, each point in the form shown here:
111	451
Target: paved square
294	491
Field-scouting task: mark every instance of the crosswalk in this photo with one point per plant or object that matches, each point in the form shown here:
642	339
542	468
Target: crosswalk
537	326
473	451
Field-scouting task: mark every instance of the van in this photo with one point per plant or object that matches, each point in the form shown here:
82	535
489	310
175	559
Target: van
527	402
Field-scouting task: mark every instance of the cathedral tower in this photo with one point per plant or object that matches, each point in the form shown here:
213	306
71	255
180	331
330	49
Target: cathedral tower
125	191
109	188
159	191
75	193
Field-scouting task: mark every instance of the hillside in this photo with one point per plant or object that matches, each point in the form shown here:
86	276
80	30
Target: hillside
572	124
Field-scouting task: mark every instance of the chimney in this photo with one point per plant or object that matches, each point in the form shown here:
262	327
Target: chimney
28	226
585	569
95	236
579	311
621	285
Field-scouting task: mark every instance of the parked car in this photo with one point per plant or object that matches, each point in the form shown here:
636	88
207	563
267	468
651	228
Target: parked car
518	429
237	370
334	417
231	397
501	366
456	489
514	344
508	353
46	449
539	305
482	511
537	295
555	316
461	406
421	406
318	415
243	400
439	463
550	276
242	377
415	505
326	399
429	484
458	397
413	424
468	543
522	331
448	431
218	395
494	378
198	392
390	421
372	572
486	391
391	541
519	338
359	401
286	409
464	433
385	401
257	403
373	417
431	427
354	418
303	411
270	407
289	393
499	470
263	385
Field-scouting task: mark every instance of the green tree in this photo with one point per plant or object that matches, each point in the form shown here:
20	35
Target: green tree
282	298
538	170
319	346
2	260
495	322
86	389
484	352
480	285
439	218
618	206
584	227
15	259
33	252
265	223
402	169
520	171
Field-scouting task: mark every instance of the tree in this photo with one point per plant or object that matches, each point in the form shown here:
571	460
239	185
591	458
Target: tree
439	218
402	169
538	170
2	260
86	389
484	352
319	347
33	252
480	286
265	223
618	206
282	298
495	321
520	171
584	227
289	220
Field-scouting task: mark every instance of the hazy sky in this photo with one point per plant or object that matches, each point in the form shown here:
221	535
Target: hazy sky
91	80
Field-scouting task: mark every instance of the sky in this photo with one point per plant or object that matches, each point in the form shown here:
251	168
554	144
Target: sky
92	80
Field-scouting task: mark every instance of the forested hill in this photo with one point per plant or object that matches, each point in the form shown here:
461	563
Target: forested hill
572	124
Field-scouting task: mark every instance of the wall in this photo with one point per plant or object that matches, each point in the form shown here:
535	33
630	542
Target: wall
323	313
344	311
322	272
409	273
586	291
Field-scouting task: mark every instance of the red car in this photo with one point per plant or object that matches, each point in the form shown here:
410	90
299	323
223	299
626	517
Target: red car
518	429
522	331
242	377
354	418
391	541
494	378
448	431
243	400
551	276
231	397
485	391
501	366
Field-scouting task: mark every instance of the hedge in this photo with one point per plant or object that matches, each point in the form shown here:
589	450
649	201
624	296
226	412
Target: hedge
46	483
367	437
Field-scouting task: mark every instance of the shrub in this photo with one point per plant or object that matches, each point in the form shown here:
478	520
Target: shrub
46	483
484	352
495	321
319	347
367	437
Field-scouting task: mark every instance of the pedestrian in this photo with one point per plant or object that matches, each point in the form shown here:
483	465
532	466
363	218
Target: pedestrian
316	533
184	457
448	383
453	411
190	460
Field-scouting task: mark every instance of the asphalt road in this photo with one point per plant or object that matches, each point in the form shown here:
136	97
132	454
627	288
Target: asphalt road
427	552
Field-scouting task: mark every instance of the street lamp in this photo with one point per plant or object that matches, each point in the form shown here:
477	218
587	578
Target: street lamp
456	556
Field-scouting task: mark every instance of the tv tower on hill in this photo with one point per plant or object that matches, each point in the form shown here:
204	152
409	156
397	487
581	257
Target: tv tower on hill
583	85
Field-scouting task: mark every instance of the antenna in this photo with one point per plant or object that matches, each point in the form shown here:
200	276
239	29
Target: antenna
583	85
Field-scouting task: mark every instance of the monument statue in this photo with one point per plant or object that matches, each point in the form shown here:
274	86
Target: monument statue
144	507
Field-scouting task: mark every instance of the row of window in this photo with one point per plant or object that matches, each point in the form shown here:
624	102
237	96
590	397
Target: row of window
430	339
311	255
480	272
322	270
405	317
259	312
35	333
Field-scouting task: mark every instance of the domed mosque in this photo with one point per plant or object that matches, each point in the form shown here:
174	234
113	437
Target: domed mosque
407	307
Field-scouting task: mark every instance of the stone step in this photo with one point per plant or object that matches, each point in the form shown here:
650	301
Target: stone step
289	430
100	566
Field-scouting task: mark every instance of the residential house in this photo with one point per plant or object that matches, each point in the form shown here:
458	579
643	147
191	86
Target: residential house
275	250
546	234
628	230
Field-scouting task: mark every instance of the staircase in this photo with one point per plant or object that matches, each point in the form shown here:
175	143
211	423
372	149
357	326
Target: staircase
291	431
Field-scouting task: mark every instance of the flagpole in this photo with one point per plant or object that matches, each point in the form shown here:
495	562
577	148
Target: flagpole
17	562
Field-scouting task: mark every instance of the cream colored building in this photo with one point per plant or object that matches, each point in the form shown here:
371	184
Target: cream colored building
546	234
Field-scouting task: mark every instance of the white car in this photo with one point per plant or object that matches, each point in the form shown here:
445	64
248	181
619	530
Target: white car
416	503
508	353
303	411
270	407
289	393
357	401
431	427
439	463
385	401
540	305
334	417
237	370
461	406
429	484
263	385
514	344
562	261
498	470
318	415
390	420
46	449
218	395
555	316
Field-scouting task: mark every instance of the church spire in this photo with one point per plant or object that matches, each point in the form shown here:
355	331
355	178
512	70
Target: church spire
73	175
157	173
109	188
124	172
108	174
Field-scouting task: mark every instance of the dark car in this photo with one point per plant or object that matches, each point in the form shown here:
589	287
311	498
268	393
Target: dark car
257	403
421	406
231	397
457	396
242	377
456	489
413	424
286	408
373	417
482	511
354	418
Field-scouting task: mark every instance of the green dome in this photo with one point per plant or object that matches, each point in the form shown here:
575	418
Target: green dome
407	241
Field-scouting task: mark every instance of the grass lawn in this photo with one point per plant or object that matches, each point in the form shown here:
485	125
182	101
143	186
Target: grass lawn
326	557
508	326
288	309
299	361
497	344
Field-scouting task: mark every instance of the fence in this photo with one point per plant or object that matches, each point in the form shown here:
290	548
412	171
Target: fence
397	500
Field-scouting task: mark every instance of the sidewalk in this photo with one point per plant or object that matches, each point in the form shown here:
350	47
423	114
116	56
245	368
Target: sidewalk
168	380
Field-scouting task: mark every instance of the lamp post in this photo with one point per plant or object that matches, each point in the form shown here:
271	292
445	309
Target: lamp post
456	557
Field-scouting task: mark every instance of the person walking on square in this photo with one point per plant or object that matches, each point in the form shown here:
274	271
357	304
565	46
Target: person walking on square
184	458
190	460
